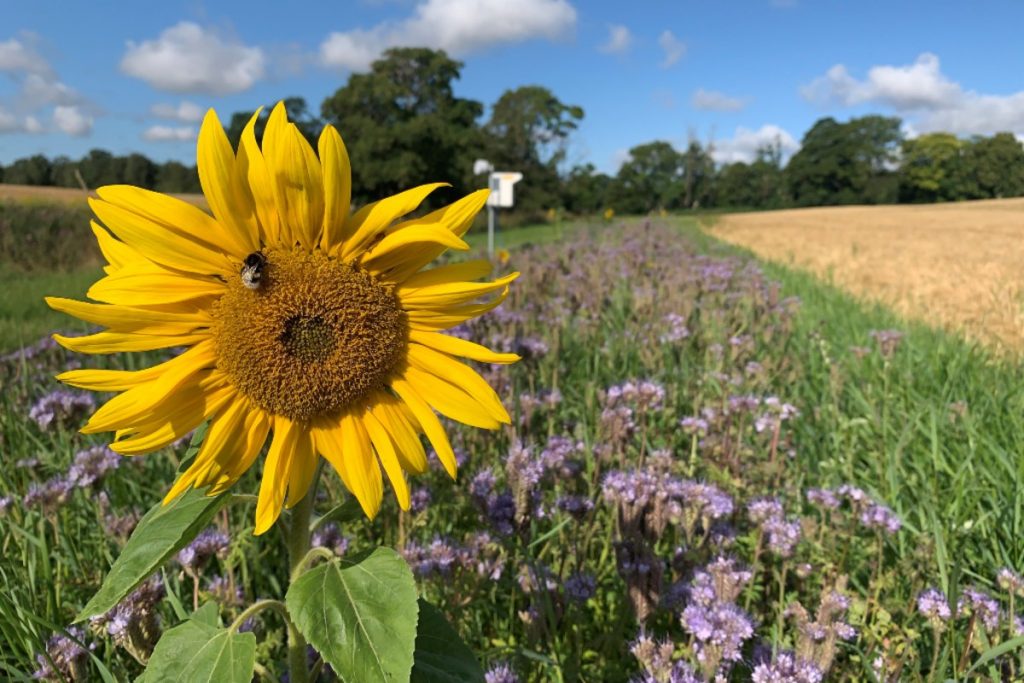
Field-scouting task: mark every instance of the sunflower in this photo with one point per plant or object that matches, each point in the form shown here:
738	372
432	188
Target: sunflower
303	324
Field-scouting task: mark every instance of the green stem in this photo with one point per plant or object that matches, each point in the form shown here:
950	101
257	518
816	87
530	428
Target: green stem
298	547
259	606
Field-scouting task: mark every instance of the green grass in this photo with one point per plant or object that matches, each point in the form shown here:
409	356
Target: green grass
24	316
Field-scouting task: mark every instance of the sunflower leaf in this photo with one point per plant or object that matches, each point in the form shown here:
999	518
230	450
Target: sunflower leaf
360	614
163	531
198	651
441	656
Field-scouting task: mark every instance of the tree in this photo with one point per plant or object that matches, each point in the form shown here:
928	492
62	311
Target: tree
173	176
996	164
403	125
528	132
651	178
33	170
698	176
845	163
139	171
586	191
932	169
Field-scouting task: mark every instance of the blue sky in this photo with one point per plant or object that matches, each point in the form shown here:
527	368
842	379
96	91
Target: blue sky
74	76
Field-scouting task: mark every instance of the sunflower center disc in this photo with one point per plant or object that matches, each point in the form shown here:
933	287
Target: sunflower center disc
315	336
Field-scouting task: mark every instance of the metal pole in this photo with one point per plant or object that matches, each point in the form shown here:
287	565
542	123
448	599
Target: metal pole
492	220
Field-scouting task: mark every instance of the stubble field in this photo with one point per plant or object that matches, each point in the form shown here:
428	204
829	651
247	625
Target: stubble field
957	266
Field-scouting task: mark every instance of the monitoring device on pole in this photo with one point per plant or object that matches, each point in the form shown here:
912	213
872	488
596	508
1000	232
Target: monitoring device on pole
500	184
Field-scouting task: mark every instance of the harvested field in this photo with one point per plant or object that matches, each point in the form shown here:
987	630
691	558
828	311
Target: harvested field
958	265
69	195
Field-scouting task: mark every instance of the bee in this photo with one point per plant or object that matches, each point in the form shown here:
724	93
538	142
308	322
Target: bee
252	270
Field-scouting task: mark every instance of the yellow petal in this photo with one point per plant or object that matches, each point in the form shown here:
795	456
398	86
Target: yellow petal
408	446
131	319
459	374
117	253
144	402
160	245
117	342
460	347
392	250
223	190
302	469
276	469
371	220
458	217
337	173
449	294
255	429
251	167
388	457
221	441
431	320
449	400
175	215
455	272
296	177
145	283
184	414
431	425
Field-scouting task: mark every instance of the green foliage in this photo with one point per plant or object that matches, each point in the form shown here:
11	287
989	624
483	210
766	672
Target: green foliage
360	615
199	651
441	656
933	169
841	163
404	126
996	165
163	531
649	179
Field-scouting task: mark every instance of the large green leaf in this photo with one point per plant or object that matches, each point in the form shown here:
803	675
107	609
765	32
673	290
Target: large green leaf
164	530
441	656
360	614
198	652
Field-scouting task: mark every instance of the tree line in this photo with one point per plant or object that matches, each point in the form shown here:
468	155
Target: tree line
404	125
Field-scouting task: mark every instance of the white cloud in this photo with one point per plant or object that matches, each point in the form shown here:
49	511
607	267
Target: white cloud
186	112
619	40
71	120
170	134
187	58
744	143
38	92
673	48
456	26
20	56
619	157
921	92
712	100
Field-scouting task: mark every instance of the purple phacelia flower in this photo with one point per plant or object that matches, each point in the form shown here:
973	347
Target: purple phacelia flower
786	668
61	408
329	536
1010	581
91	465
65	658
823	498
975	603
209	543
580	587
878	516
764	509
501	673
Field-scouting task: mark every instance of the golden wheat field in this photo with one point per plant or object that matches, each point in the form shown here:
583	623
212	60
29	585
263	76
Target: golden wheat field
959	266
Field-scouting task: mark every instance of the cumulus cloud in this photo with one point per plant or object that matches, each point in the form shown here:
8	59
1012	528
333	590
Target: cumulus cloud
186	112
923	93
744	143
38	92
72	120
712	100
619	40
170	134
188	58
459	27
673	48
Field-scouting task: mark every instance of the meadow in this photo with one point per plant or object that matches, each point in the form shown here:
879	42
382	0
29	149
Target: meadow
718	469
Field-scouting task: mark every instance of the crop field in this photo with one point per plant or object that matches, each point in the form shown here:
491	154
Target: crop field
717	469
952	265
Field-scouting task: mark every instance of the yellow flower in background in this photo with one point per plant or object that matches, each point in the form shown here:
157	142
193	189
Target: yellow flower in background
609	214
503	256
303	324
